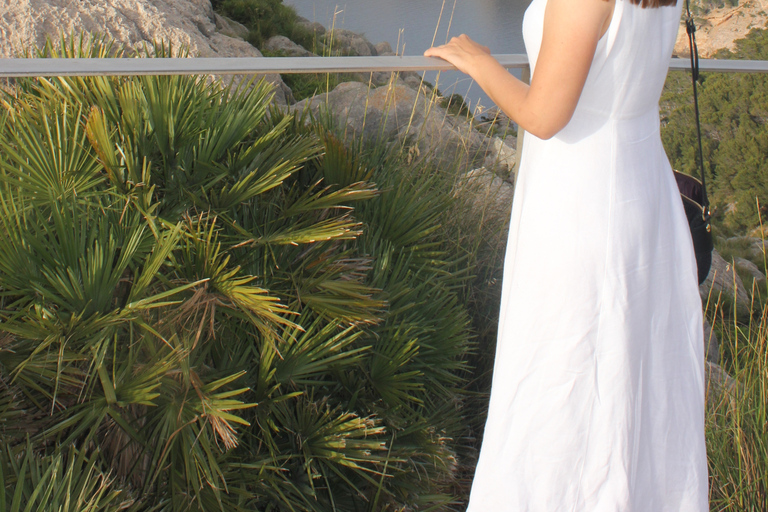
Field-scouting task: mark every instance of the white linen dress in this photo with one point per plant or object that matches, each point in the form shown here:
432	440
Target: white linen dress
597	403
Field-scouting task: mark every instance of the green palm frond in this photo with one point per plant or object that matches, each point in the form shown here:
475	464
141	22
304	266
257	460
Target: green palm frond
69	481
311	354
47	154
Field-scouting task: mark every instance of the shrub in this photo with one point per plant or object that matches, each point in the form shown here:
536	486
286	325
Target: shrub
206	305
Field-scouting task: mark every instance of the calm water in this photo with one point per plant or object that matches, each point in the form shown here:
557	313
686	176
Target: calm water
415	23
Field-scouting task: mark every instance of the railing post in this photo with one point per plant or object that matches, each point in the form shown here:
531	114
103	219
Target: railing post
526	77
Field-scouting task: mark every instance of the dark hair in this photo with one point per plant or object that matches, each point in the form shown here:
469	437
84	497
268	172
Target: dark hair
653	3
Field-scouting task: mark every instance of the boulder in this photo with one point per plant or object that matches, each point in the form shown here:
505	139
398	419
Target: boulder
349	43
747	267
230	27
397	112
724	282
284	46
313	26
759	247
412	80
187	24
383	48
486	190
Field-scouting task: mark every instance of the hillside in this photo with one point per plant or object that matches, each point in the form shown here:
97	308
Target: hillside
720	24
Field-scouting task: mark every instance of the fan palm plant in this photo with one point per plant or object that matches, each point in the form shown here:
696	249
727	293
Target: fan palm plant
208	304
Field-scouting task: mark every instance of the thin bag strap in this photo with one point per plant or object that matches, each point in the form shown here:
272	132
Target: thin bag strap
690	28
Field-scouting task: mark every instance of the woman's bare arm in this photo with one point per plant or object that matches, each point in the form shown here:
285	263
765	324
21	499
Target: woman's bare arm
572	29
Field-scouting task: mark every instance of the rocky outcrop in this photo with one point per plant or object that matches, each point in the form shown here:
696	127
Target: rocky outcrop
720	28
397	112
281	45
189	24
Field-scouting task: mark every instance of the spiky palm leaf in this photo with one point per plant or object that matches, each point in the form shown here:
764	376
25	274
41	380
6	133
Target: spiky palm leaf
226	309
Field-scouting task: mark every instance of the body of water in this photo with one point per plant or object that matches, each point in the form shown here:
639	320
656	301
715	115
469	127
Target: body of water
412	26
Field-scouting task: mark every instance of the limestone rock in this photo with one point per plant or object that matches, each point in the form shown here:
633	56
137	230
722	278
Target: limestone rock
412	80
187	24
283	45
313	26
349	43
750	268
500	157
398	112
230	27
486	190
384	48
724	281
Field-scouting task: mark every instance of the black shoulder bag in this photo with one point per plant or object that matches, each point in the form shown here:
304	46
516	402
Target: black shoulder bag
692	191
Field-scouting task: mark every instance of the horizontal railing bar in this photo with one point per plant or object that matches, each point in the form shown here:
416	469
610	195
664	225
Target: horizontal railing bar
16	68
722	65
230	66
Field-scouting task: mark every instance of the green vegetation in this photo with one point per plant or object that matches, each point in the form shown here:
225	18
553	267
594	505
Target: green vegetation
737	437
206	305
734	116
455	105
266	18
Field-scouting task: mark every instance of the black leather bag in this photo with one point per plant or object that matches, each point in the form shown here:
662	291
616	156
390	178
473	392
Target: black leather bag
692	194
693	191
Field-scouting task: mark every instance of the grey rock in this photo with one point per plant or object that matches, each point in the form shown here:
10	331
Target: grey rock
412	80
723	281
313	26
486	190
711	344
230	27
348	42
189	24
759	247
283	45
397	112
758	278
384	48
500	157
381	78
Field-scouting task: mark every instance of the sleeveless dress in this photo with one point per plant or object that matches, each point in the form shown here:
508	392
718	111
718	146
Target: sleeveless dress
597	402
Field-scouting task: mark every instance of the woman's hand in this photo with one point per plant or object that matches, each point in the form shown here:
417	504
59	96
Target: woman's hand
572	29
460	51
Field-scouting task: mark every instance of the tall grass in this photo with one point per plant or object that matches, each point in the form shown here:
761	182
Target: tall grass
737	410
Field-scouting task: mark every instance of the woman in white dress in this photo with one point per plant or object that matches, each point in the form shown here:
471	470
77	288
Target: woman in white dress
597	402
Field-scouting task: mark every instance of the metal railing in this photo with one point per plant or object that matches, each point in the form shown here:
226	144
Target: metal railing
16	68
46	67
